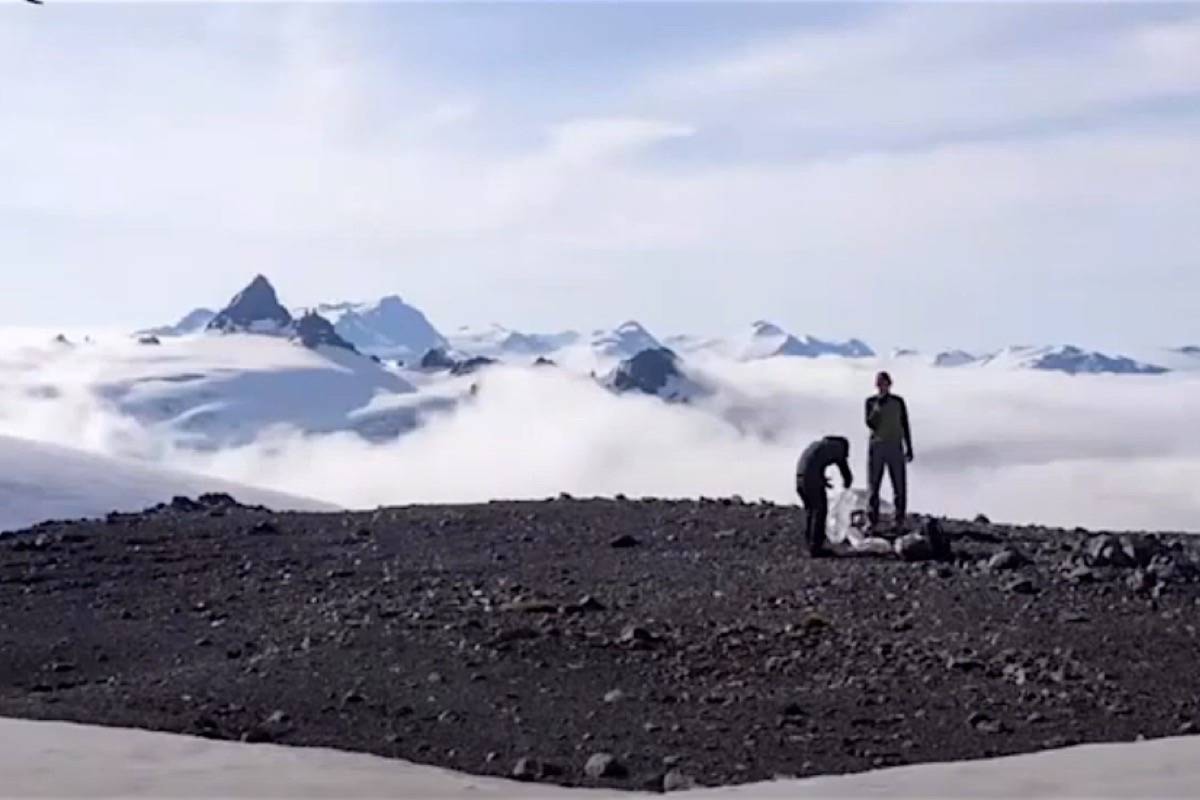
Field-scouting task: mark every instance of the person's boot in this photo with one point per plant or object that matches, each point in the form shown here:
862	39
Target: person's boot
819	549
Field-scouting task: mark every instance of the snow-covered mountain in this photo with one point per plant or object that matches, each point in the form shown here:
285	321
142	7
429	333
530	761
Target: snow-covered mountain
624	341
193	322
690	343
208	392
497	341
954	358
767	340
656	371
1070	360
47	482
255	309
389	327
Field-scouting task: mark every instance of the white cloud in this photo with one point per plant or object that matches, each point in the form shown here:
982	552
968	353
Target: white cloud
1104	451
181	155
924	73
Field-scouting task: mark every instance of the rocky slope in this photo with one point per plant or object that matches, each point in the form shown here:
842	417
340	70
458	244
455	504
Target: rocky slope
616	642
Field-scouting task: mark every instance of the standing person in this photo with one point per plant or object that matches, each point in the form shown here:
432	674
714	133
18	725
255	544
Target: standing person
890	447
811	484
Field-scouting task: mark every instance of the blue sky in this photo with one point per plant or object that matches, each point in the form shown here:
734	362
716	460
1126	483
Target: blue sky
928	175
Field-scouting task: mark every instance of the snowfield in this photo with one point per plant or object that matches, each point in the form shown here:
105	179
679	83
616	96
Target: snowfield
206	391
56	759
40	482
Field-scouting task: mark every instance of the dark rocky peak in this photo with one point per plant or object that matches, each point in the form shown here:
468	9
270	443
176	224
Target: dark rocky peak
255	309
471	365
651	371
437	359
315	331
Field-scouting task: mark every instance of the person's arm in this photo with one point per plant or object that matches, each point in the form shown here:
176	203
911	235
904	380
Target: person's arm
847	478
872	413
908	448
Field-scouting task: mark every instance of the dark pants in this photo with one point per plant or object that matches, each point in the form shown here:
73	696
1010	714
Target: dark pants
816	509
890	456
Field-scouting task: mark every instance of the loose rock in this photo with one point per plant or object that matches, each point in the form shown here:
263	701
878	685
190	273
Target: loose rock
604	765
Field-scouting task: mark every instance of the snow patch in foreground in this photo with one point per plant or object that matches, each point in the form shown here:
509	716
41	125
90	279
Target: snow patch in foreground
41	482
57	759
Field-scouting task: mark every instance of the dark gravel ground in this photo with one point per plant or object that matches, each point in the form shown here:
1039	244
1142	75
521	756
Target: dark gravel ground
689	638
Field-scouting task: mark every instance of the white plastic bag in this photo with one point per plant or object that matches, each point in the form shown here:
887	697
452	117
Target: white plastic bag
848	523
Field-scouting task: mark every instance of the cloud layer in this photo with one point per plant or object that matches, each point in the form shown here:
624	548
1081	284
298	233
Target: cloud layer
1099	451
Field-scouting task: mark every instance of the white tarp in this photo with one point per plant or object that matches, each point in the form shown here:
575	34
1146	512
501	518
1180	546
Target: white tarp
848	523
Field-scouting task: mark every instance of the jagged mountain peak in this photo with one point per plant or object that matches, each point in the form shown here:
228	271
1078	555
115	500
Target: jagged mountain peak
255	309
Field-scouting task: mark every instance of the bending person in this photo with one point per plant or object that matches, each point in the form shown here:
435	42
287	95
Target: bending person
811	483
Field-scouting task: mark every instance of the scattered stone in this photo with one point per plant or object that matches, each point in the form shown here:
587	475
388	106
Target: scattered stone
634	635
531	607
604	765
984	723
504	637
528	769
218	500
677	781
32	543
272	729
1140	550
913	547
185	504
1105	550
624	541
264	528
614	696
1022	586
1007	558
746	677
586	604
982	519
1140	581
1078	573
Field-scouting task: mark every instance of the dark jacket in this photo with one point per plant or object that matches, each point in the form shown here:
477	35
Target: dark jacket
887	417
832	451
